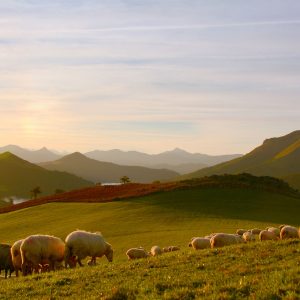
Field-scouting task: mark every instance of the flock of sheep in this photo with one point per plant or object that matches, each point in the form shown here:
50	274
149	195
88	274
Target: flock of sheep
40	253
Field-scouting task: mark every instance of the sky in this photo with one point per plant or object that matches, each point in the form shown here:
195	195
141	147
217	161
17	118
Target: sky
213	77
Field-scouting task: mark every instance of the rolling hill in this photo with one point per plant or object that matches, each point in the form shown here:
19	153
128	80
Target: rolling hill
33	156
105	172
277	157
166	218
18	177
178	160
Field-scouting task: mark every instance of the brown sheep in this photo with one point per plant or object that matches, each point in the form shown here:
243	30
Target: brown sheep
5	259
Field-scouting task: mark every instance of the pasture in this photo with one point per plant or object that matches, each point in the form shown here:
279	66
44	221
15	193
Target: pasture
267	270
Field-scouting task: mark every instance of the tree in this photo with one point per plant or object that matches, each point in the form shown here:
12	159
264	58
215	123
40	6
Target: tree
125	179
35	192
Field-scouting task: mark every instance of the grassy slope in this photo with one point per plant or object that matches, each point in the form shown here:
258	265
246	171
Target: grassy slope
163	218
18	177
293	180
276	157
268	270
259	271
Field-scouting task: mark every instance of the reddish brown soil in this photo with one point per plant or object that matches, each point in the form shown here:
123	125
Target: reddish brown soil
97	194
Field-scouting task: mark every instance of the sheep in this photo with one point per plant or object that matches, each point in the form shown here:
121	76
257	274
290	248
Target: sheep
135	253
173	248
255	231
289	232
37	250
241	231
248	236
200	243
80	244
16	256
274	230
5	259
225	239
155	251
267	235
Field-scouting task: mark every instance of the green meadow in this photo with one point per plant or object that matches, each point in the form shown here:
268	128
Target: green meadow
252	271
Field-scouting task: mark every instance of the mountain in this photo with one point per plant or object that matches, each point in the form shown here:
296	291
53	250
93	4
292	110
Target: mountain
293	180
18	177
278	157
104	172
33	156
178	160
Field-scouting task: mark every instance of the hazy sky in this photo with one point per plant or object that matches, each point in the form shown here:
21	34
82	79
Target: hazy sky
207	76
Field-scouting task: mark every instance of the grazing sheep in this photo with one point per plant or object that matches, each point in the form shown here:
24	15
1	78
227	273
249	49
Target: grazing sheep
80	244
200	243
267	235
241	231
155	250
5	259
248	236
225	239
275	230
135	253
256	231
39	250
16	256
289	232
173	248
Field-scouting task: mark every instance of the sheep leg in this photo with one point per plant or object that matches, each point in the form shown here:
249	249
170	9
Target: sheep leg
79	262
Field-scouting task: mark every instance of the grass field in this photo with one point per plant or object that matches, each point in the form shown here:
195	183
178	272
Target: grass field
267	270
158	219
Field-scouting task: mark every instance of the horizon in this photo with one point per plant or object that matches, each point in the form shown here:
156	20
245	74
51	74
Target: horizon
206	77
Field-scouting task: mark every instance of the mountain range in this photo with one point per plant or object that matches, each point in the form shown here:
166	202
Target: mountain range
33	156
177	160
18	177
277	157
105	172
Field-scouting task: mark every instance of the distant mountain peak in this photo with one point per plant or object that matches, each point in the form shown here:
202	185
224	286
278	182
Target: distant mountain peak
74	155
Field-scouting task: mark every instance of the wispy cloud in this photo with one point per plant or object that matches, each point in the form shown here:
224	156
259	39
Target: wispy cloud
148	75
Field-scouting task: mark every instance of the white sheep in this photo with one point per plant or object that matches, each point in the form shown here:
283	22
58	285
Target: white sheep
173	248
255	231
200	243
275	230
39	250
225	239
289	232
267	235
135	253
248	236
241	231
16	256
80	244
155	250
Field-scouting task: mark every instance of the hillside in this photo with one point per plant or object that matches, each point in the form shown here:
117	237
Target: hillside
277	157
109	193
293	180
18	177
96	171
177	160
162	217
166	218
33	156
252	271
